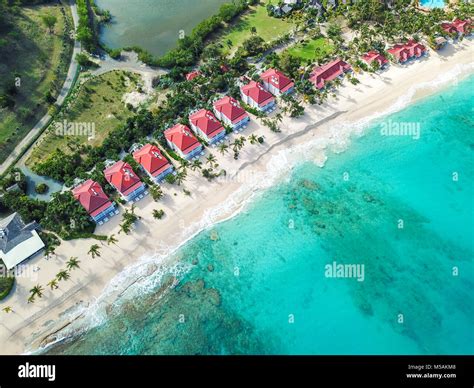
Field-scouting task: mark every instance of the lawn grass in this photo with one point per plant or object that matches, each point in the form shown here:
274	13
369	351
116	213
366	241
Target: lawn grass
97	101
312	50
40	61
268	28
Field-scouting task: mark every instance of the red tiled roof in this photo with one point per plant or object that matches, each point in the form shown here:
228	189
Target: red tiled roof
92	197
229	107
192	75
122	177
207	123
181	136
462	26
407	50
277	79
256	92
322	74
374	56
150	157
449	28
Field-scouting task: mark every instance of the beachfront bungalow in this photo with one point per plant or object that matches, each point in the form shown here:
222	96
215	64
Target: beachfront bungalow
329	72
372	56
181	140
457	27
153	162
121	176
229	111
276	82
206	125
18	241
190	76
92	198
402	53
439	42
255	95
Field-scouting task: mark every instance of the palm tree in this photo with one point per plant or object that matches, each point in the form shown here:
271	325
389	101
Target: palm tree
95	249
223	148
7	309
112	240
37	291
63	275
183	164
253	139
211	159
53	284
72	263
196	165
181	177
125	228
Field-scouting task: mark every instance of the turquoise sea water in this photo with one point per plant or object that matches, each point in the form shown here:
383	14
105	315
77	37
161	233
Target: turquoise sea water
258	285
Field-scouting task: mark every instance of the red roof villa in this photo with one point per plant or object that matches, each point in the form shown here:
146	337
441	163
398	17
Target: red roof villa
329	72
206	125
123	178
192	75
153	162
459	27
276	82
181	140
255	95
228	110
372	56
405	52
91	196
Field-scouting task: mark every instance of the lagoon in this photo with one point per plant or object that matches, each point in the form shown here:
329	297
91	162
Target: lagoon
153	24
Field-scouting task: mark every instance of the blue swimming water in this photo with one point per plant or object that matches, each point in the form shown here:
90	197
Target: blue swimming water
258	285
433	3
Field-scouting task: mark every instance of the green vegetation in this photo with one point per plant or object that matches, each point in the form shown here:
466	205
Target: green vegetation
190	48
98	108
86	33
35	52
41	188
62	215
313	50
256	22
6	282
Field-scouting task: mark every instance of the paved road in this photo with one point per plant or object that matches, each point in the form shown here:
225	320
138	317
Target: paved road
129	62
68	83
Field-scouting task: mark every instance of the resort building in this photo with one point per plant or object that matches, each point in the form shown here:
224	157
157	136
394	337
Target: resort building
403	53
18	242
125	180
276	82
329	72
255	95
228	110
153	162
92	198
190	76
458	27
372	56
181	140
206	125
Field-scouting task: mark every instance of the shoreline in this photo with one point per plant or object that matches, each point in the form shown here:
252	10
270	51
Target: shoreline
152	245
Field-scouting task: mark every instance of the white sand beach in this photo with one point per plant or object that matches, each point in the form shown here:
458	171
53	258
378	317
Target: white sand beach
322	128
